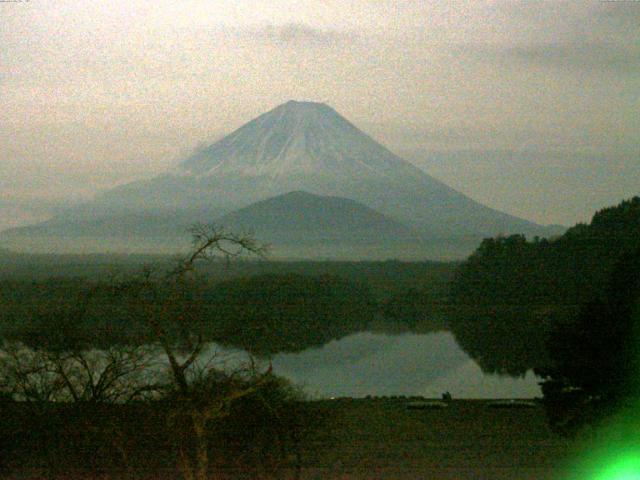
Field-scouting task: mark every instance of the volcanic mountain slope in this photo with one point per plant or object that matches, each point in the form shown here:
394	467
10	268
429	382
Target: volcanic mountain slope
310	147
300	217
298	146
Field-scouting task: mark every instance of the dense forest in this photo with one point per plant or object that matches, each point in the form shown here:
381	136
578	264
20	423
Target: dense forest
263	307
511	293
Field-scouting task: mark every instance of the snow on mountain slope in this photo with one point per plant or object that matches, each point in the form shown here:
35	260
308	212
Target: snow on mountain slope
297	138
309	146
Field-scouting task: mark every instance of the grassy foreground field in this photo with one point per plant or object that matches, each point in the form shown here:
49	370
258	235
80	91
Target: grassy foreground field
374	438
383	439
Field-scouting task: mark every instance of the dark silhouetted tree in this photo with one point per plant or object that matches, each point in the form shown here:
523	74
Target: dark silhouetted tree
596	357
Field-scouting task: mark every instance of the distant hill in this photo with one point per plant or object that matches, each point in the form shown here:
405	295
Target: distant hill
297	146
300	217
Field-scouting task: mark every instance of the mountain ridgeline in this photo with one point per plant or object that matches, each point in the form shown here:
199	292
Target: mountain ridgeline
356	190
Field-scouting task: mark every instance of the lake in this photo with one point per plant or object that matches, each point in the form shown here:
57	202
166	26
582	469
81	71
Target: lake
377	364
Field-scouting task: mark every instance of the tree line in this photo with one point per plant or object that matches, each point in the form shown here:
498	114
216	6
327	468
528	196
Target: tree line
566	307
512	292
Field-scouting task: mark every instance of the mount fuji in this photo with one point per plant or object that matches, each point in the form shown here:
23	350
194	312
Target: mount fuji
296	147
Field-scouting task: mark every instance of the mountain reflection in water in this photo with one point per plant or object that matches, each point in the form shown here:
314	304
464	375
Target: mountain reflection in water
376	364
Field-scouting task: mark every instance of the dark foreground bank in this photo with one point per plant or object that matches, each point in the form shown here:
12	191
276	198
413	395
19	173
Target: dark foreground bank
343	438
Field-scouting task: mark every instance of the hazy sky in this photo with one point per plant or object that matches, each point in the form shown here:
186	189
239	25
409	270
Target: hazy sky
94	93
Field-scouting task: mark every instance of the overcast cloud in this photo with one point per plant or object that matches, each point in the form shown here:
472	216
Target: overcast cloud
97	93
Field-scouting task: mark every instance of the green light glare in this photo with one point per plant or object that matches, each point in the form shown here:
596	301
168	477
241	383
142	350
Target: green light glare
612	452
622	467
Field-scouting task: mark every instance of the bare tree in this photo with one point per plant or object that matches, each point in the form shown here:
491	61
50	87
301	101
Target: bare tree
115	375
166	359
202	394
27	375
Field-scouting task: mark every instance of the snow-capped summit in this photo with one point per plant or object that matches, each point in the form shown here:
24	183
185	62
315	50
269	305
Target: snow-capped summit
309	146
296	138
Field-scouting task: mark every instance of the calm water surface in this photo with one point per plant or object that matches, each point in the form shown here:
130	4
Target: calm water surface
407	364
